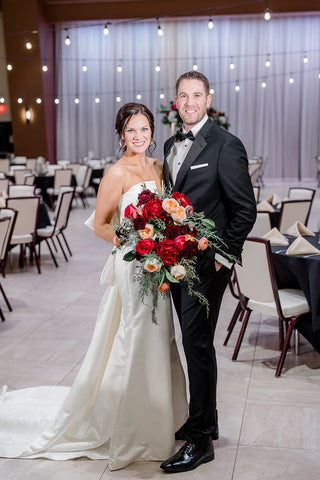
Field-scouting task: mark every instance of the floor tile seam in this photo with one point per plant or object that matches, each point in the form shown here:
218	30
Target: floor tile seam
277	447
75	365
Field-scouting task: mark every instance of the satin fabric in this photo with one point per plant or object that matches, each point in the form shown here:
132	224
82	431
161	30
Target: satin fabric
129	396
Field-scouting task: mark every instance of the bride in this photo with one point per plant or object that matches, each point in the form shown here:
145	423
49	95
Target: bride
129	396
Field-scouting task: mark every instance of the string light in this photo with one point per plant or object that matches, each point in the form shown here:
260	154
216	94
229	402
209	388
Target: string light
195	67
237	87
160	31
162	95
44	68
9	67
119	68
118	99
263	84
84	66
211	91
38	100
28	45
20	100
106	30
268	62
28	114
210	24
67	39
232	65
291	79
97	99
267	15
305	59
157	68
76	101
2	100
139	96
56	101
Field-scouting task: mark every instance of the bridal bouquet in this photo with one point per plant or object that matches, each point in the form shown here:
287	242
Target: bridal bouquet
164	234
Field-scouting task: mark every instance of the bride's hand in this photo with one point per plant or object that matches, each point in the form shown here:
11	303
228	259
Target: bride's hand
115	241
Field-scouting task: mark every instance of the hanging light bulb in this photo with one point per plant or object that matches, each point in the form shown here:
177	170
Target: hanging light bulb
160	31
84	66
28	114
38	100
232	65
211	91
305	59
67	40
237	87
268	62
157	68
2	100
97	99
291	79
119	68
195	67
20	100
263	84
44	68
210	24
138	96
56	101
267	15
118	99
28	45
76	101
9	67
106	30
162	96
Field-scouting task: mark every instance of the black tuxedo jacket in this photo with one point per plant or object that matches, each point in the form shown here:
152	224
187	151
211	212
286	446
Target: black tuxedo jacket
214	176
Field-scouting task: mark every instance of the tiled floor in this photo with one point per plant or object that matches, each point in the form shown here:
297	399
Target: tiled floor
269	427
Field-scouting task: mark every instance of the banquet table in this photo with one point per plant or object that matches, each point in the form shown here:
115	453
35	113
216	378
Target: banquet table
300	271
45	181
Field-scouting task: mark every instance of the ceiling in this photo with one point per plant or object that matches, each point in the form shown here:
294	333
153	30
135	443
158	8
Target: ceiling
56	11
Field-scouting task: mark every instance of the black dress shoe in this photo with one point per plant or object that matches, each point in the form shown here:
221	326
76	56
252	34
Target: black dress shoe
188	458
183	433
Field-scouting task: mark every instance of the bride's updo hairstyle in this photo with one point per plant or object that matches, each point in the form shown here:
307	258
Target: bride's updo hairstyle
125	113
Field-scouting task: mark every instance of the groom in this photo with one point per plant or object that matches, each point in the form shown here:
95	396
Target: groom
209	165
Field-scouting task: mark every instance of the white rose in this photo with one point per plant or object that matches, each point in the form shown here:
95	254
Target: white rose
178	272
152	265
172	116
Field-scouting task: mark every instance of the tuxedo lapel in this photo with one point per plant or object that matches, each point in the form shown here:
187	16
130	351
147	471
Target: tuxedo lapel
166	169
197	147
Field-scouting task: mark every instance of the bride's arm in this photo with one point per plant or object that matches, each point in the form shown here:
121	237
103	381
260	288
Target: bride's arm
109	194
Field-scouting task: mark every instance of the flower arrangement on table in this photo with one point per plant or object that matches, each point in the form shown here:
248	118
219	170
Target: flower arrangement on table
165	235
171	116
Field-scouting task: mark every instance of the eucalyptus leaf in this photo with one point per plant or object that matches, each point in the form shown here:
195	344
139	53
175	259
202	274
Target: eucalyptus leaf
129	256
208	223
171	278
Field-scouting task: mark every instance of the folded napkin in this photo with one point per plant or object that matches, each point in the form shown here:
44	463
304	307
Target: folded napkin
275	237
301	246
265	206
299	230
274	199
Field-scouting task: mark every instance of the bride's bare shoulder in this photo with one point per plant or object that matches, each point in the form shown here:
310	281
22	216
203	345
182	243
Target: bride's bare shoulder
114	175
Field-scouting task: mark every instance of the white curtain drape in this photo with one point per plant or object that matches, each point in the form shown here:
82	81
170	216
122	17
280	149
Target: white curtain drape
280	122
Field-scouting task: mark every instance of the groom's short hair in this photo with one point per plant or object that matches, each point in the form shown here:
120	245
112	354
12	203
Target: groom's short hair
194	75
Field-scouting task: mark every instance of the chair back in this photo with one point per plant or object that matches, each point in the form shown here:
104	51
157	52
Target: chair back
297	193
27	208
63	208
19	160
262	225
21	190
4	185
256	191
62	177
256	279
31	164
74	167
254	171
29	179
10	216
52	168
4	165
293	211
87	178
19	175
81	175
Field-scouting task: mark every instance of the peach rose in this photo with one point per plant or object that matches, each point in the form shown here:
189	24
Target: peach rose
152	265
190	237
179	214
203	243
164	287
178	272
170	205
147	232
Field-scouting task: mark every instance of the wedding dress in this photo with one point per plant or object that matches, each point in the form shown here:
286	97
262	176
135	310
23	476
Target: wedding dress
129	396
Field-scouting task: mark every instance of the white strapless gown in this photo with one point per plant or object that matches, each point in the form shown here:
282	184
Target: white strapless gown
129	396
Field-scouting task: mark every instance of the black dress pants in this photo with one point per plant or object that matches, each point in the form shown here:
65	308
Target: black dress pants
198	329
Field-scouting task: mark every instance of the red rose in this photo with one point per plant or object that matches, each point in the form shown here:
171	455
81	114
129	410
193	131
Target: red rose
130	211
153	208
139	222
190	249
167	251
172	231
180	241
144	196
145	246
181	198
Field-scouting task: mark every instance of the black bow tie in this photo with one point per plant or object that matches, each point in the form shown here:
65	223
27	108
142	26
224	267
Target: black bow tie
182	136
